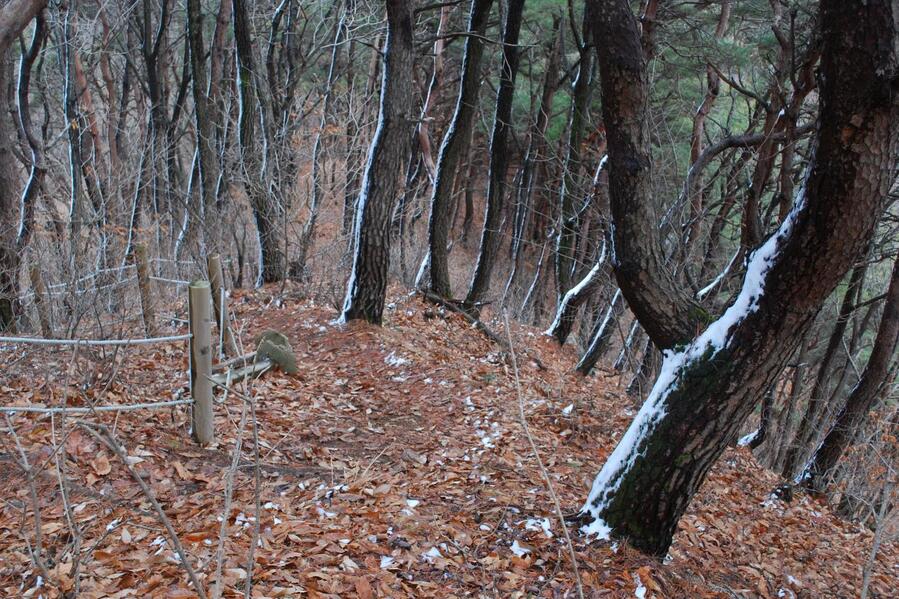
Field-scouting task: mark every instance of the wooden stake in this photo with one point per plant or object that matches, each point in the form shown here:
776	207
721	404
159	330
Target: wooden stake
217	280
144	284
200	309
40	301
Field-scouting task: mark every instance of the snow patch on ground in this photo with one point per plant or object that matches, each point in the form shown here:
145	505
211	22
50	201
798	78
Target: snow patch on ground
393	359
640	591
539	524
518	549
431	554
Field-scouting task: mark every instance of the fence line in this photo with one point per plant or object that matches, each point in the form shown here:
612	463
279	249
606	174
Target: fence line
93	342
172	281
78	410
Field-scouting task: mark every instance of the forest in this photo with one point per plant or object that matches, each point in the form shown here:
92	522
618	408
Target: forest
423	298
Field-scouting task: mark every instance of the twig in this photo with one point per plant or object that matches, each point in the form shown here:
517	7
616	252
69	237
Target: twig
477	323
91	410
101	433
35	503
549	484
257	496
229	489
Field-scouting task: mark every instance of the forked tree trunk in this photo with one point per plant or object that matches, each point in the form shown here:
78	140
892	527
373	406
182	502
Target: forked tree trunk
14	17
380	183
436	264
710	384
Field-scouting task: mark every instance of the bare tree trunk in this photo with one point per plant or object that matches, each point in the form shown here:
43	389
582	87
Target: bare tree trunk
864	395
572	189
602	334
499	159
14	17
698	135
389	152
435	266
806	435
267	210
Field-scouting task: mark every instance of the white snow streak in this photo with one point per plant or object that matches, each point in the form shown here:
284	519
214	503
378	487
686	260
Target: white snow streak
714	338
747	439
577	289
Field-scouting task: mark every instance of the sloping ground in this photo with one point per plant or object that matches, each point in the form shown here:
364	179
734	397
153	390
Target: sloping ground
392	465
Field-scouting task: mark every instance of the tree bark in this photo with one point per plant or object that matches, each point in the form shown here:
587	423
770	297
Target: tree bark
380	183
267	210
572	187
865	393
14	17
599	342
806	436
499	159
203	106
708	388
436	264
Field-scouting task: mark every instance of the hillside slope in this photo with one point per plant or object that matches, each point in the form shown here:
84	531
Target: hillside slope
394	464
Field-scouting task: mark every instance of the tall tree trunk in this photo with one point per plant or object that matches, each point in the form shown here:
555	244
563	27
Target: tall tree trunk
804	442
267	210
435	266
572	189
14	18
865	393
697	138
709	386
533	168
499	159
307	235
380	184
203	106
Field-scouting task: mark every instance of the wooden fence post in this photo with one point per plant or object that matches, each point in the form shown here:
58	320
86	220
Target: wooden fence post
144	284
222	318
199	308
40	301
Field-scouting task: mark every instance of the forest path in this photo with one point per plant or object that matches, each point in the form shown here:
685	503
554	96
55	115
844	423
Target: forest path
393	464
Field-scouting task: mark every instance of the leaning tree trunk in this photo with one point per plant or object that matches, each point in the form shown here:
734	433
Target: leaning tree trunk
865	393
572	171
380	183
574	298
436	263
710	384
803	444
499	159
602	335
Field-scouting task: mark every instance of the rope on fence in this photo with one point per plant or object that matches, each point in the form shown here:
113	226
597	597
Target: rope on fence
70	410
92	342
92	275
172	281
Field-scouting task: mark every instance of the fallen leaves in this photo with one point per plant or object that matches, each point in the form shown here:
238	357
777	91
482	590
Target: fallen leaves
399	477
